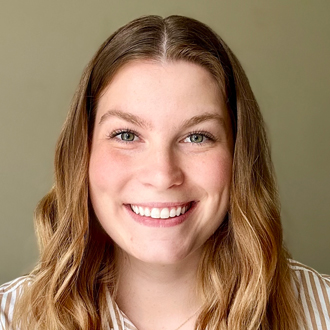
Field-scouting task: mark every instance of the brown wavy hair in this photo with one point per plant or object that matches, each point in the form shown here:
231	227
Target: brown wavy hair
244	274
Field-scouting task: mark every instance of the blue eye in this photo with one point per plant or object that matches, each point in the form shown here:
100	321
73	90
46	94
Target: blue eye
127	136
123	135
196	138
199	138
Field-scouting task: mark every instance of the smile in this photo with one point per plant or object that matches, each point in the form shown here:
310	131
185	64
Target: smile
161	213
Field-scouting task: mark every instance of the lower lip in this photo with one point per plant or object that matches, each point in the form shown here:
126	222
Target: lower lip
153	222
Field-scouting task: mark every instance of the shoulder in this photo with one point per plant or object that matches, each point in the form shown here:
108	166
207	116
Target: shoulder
118	318
9	293
313	290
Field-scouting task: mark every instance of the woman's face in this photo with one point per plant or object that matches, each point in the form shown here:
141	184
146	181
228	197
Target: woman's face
161	160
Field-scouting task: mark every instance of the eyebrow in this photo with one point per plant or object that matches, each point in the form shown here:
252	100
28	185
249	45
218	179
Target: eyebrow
125	116
204	117
145	124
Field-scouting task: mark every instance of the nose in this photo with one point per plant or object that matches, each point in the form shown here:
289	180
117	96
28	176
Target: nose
161	169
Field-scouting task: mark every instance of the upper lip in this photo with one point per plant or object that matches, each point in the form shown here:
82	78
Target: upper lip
162	204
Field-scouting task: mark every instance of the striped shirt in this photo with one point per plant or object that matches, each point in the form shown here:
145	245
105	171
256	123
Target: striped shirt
314	291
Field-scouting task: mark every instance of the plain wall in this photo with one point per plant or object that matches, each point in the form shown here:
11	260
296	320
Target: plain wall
284	47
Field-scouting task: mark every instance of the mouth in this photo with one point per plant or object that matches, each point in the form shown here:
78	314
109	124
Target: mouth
161	212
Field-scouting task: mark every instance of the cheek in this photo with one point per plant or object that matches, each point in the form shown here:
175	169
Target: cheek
214	172
107	169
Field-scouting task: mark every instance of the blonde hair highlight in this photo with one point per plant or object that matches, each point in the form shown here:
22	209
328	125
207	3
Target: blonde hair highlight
244	275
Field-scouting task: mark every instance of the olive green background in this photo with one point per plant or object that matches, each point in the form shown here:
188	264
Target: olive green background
284	47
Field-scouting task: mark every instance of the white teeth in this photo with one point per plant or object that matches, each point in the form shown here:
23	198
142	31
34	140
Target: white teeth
141	210
172	213
163	213
136	209
178	211
155	213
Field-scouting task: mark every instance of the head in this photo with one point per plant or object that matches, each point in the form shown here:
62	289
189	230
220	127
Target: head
244	251
174	39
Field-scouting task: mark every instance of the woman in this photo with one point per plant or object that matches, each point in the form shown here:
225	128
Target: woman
164	213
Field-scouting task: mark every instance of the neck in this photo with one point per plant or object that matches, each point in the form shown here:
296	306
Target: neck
156	296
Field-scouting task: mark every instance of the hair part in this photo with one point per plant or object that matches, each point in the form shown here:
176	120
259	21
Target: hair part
244	275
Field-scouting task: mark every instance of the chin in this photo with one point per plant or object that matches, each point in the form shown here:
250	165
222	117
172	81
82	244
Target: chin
165	256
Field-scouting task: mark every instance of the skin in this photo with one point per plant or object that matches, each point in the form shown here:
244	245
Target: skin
168	159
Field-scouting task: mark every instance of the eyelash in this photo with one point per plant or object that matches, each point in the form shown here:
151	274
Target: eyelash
116	133
206	135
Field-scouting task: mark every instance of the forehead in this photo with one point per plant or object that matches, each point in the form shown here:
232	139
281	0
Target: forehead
167	81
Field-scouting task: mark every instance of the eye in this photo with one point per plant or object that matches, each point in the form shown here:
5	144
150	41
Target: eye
196	138
126	136
123	135
199	138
